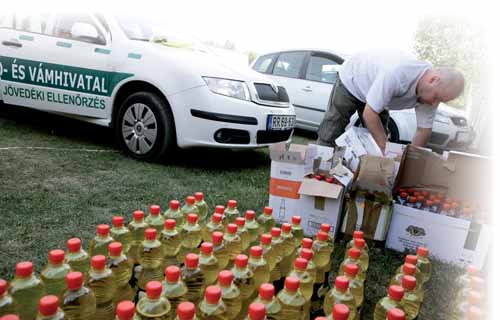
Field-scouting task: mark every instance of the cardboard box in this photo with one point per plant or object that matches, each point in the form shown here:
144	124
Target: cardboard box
357	142
454	240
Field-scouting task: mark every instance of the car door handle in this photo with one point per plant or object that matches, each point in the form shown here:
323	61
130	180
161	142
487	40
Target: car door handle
307	89
12	43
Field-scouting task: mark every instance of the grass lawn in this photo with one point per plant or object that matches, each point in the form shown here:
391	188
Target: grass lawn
48	196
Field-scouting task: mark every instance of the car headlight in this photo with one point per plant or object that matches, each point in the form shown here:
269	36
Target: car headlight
231	88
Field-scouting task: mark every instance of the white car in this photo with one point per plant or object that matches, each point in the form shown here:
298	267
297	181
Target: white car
308	76
157	88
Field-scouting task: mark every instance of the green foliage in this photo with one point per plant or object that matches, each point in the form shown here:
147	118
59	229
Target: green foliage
252	56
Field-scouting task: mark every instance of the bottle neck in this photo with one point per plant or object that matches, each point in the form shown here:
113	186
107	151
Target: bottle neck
99	270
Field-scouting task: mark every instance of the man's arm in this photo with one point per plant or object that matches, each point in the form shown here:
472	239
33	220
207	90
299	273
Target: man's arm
421	137
374	125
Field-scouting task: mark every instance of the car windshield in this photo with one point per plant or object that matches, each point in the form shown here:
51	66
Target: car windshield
151	30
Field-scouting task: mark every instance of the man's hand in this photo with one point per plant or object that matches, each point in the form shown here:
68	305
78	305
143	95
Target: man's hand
421	137
374	125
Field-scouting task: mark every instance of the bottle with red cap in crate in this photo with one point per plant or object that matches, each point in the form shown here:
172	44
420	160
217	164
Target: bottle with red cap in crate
77	258
354	255
189	206
231	212
259	266
155	219
297	231
153	305
424	264
360	244
293	302
267	298
340	294
215	224
186	311
219	248
232	242
358	234
306	280
137	228
190	237
102	283
408	270
151	259
100	243
230	294
412	202
244	280
79	302
120	233
7	303
174	289
402	198
212	307
289	247
121	267
208	263
174	212
48	309
256	311
54	274
322	255
356	285
243	233
26	289
277	253
266	220
412	299
202	207
125	310
392	300
170	239
252	226
193	278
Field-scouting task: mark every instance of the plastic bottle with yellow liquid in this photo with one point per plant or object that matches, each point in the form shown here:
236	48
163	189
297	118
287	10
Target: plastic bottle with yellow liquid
155	219
289	248
48	309
125	310
340	312
175	213
186	311
153	305
245	281
306	280
120	233
408	270
360	244
477	284
356	285
396	314
411	300
326	228
243	233
121	267
354	257
252	226
306	243
189	207
297	231
266	297
77	258
277	253
232	242
322	252
202	207
212	307
151	259
267	250
230	294
170	239
259	266
7	303
311	267
174	289
424	264
340	294
102	283
465	279
78	301
54	274
219	249
190	237
208	264
231	212
193	278
266	220
292	300
461	310
26	289
355	235
392	300
137	228
215	224
412	259
256	311
99	245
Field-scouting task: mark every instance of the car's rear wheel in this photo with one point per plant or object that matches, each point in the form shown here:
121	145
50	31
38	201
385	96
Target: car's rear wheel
144	126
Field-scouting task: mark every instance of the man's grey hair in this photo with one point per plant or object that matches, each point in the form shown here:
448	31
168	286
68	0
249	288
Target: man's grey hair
451	80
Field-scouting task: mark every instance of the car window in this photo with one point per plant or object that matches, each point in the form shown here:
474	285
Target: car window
322	69
35	23
263	64
6	20
64	24
289	64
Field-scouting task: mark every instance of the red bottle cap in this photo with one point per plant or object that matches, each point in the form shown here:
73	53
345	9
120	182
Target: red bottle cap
354	253
429	203
473	270
321	318
341	283
257	311
150	234
477	283
351	269
266	239
138	215
268	211
115	249
301	264
217	237
154	210
396	314
240	221
74	280
425	193
10	317
358	234
325	227
292	284
359	243
241	261
474	298
186	311
266	291
276	232
412	199
307	243
192	218
412	259
219	209
125	310
191	261
232	228
48	305
190	200
103	230
154	289
172	273
437	201
403	194
117	221
98	262
286	227
409	282
416	194
74	245
199	196
420	198
409	269
213	294
396	292
296	220
410	190
330	179
232	204
174	205
207	248
3	287
56	256
256	251
340	311
24	269
306	254
216	218
250	215
322	236
225	278
170	224
318	177
446	206
423	251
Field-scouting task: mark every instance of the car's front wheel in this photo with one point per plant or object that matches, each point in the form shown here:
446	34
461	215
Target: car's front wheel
144	126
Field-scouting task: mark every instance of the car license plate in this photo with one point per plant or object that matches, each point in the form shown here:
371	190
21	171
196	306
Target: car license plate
280	122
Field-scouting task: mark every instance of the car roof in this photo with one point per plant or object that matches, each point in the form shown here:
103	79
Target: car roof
336	53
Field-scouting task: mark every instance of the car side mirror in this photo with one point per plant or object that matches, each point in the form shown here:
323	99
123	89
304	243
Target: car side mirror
86	32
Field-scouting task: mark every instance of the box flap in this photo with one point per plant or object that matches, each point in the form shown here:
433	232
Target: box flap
315	188
394	150
375	174
295	153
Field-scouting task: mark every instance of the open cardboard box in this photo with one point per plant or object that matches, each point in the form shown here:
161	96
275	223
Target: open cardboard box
463	176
